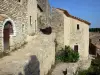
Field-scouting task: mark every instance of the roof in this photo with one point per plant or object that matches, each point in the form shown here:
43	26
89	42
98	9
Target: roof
69	15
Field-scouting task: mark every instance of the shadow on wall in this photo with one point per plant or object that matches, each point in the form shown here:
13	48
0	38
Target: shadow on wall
47	30
33	67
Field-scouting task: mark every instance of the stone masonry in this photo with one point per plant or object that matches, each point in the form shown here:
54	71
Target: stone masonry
24	15
36	57
58	27
71	31
43	14
95	38
94	43
26	18
17	12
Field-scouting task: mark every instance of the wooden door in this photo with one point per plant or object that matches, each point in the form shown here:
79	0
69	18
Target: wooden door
6	38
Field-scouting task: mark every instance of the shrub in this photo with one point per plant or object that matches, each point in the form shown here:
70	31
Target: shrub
68	55
82	72
94	69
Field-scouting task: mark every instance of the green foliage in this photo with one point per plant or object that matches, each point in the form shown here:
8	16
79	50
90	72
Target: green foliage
94	29
68	55
82	72
93	70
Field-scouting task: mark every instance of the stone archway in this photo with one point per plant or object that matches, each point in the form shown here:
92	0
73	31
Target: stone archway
7	31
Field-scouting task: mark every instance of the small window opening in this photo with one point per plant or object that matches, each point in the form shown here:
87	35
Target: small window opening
35	25
76	48
78	27
19	0
99	39
30	20
22	27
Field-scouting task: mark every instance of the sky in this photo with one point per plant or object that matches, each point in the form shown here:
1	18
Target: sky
85	9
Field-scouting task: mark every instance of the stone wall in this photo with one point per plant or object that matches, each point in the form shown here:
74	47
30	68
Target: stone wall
43	14
32	17
36	58
43	47
58	28
74	36
42	4
79	37
95	38
67	31
1	42
24	16
94	47
17	11
48	13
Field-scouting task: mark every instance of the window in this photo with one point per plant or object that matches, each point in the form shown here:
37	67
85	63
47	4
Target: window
99	39
19	0
35	25
76	48
30	20
78	27
22	27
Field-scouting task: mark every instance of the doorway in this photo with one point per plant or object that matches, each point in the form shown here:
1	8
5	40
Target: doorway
76	48
8	29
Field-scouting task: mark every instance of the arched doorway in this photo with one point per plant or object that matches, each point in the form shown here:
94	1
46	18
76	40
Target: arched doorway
7	31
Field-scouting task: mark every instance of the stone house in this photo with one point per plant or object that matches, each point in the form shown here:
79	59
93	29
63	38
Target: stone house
71	31
94	47
18	21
